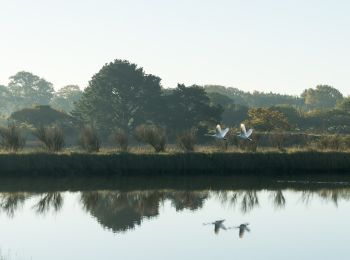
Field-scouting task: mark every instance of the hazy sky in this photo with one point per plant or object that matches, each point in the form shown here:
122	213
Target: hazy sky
266	45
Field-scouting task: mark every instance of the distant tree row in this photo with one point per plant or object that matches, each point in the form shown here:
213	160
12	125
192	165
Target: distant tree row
26	90
122	96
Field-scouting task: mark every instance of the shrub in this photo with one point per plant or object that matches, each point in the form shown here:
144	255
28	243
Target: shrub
11	138
89	139
152	135
278	139
250	146
52	137
332	142
121	138
187	140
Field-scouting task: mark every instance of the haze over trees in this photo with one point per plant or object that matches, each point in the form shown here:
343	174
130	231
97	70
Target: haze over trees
123	96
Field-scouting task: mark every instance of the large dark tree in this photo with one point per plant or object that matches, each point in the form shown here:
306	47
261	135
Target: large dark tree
188	107
29	89
121	95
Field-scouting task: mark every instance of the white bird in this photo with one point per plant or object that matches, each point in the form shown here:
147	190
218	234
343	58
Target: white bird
219	134
245	134
218	224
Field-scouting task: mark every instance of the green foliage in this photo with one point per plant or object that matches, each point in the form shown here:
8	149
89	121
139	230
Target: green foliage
333	142
121	95
332	121
28	89
65	98
6	101
266	119
121	138
11	138
323	96
292	114
152	135
220	99
187	140
89	139
41	115
344	104
51	136
278	139
255	99
234	114
189	107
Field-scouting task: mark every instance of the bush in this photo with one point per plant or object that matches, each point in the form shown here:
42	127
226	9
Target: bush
89	139
152	135
11	138
52	137
250	146
278	139
121	138
187	140
332	142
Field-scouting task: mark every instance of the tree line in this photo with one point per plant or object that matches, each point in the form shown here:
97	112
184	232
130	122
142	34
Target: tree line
123	96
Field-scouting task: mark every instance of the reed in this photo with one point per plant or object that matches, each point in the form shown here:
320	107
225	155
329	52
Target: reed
216	164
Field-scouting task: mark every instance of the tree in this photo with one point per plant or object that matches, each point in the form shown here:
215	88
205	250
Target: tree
189	107
41	116
121	95
344	104
6	101
291	113
220	99
323	96
265	119
65	98
29	89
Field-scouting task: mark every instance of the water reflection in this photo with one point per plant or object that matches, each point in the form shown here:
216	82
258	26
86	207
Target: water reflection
120	211
218	224
242	229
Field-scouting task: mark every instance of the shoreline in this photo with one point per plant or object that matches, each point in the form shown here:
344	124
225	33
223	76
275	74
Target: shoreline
176	164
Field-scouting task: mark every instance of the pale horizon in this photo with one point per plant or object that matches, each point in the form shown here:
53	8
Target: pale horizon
271	46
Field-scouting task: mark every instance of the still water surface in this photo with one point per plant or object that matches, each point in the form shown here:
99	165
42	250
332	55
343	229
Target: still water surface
297	220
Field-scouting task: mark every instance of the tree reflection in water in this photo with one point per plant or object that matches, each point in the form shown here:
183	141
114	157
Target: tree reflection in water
121	210
11	201
49	200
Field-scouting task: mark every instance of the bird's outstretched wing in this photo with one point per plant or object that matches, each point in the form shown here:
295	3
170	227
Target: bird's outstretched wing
224	132
249	133
218	129
243	129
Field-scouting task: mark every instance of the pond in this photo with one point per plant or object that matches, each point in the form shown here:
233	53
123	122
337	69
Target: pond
290	218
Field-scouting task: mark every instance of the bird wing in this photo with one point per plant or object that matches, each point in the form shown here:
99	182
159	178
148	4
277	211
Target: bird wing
218	129
243	129
224	132
249	133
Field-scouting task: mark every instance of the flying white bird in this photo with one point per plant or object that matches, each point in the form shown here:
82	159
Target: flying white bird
218	224
219	134
244	134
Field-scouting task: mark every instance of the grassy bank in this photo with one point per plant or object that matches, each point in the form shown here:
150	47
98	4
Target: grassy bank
79	164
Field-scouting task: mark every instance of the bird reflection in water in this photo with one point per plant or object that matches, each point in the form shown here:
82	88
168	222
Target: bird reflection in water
242	229
218	224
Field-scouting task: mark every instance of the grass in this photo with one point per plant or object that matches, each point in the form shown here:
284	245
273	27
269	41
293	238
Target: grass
141	160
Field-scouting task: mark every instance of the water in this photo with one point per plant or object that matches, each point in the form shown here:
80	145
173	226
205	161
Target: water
125	219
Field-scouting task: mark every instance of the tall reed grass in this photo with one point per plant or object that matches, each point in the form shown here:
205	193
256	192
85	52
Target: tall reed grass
259	164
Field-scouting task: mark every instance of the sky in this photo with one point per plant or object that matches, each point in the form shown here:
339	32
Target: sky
266	45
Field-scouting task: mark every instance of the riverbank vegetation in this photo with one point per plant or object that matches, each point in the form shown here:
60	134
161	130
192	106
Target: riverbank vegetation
123	106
